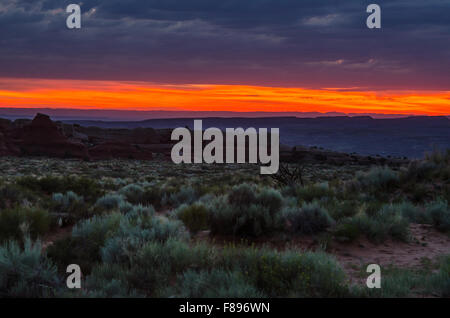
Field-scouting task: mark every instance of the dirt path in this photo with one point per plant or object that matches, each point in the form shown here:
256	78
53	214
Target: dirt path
426	244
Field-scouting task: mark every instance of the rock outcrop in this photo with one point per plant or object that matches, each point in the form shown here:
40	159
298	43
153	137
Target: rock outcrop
43	138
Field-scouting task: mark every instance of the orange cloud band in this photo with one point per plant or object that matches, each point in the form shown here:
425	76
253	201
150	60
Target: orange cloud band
42	93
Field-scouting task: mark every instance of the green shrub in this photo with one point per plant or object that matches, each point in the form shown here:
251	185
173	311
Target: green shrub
133	193
108	281
438	157
213	284
85	187
127	208
246	211
271	199
84	246
242	195
69	207
156	263
419	171
442	280
314	192
204	270
378	177
372	207
186	195
419	192
440	215
387	222
93	238
437	283
347	232
48	184
401	282
26	272
152	196
67	200
135	232
245	220
124	207
176	255
413	213
161	229
195	217
97	227
140	210
74	250
342	209
88	188
12	195
396	282
288	274
311	218
109	202
17	222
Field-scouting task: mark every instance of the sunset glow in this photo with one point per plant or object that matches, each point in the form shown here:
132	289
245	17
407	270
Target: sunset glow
32	93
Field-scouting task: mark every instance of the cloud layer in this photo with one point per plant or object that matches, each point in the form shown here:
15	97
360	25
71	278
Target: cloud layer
308	43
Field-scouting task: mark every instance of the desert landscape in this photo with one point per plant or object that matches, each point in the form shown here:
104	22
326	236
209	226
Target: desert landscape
111	201
221	157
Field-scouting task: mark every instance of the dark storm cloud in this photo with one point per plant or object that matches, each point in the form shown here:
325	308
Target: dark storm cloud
308	43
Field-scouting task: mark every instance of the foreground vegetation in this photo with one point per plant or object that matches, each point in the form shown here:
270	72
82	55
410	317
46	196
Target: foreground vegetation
135	227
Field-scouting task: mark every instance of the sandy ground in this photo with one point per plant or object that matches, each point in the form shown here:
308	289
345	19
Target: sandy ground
426	244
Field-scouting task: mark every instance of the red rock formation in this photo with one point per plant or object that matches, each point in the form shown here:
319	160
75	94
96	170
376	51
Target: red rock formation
42	137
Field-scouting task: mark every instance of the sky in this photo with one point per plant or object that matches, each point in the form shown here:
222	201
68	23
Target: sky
227	55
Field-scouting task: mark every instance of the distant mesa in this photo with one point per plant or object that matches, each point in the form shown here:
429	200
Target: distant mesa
44	137
139	115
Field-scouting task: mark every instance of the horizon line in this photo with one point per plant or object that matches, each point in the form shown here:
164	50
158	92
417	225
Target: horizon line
134	115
